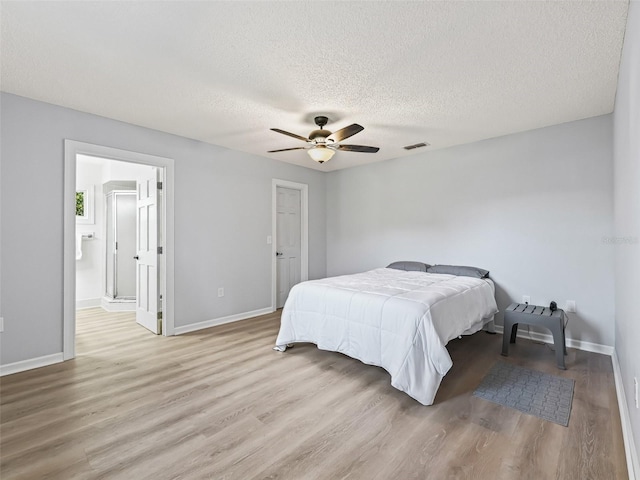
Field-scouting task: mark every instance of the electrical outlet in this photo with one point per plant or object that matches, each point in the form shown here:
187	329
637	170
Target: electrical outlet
570	307
526	299
221	292
635	383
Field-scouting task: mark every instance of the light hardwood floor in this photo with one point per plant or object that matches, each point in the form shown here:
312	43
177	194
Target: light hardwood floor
220	404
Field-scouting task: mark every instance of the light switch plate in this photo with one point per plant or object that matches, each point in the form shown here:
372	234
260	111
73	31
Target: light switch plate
269	240
1	324
221	292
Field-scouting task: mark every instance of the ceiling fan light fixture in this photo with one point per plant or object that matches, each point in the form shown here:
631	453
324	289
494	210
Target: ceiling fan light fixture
322	144
321	153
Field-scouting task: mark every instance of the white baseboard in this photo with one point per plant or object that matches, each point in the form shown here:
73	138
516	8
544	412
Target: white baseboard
118	306
220	321
571	343
30	364
87	303
627	433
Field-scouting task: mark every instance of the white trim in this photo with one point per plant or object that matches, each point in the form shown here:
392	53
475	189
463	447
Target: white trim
304	234
118	305
30	364
71	150
627	433
220	321
87	303
571	343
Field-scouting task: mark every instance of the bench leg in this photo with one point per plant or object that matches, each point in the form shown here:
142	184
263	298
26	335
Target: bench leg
505	339
559	343
514	333
508	336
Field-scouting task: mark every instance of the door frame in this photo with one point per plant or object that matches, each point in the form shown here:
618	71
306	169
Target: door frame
304	233
73	148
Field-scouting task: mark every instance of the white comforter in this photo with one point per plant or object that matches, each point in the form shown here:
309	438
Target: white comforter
400	321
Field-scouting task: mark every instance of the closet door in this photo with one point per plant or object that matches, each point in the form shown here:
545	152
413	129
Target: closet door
288	241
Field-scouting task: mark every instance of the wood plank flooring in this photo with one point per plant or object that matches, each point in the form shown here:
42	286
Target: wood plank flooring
220	404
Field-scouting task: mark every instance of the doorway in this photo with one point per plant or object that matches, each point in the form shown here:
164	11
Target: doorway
117	222
290	227
142	230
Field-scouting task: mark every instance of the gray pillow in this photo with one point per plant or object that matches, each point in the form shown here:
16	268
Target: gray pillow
409	266
459	270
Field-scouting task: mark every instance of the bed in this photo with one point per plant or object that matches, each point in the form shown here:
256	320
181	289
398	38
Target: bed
398	320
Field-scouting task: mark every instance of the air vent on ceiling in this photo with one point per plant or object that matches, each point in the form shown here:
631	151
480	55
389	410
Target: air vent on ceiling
416	145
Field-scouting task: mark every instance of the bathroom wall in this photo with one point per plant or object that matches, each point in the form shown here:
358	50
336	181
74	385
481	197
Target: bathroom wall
90	268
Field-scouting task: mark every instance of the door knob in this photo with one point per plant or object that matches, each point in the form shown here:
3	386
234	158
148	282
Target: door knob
136	257
278	254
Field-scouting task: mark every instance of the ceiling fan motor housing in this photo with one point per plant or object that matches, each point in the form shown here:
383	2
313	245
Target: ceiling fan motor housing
321	135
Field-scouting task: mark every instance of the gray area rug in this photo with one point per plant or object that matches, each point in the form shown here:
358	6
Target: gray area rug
532	392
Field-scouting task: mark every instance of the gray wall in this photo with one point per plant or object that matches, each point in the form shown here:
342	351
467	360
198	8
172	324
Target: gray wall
533	208
222	219
627	214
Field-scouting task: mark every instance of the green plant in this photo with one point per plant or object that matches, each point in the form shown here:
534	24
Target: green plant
79	204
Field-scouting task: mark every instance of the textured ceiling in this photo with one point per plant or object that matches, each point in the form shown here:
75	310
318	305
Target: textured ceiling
225	72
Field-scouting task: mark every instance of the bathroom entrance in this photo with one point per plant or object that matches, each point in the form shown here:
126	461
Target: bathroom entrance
116	256
95	178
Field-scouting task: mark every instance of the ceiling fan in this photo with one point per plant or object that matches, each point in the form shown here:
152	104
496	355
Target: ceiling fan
322	144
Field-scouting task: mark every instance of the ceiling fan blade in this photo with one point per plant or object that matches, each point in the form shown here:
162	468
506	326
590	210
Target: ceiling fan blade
345	132
286	149
357	148
290	134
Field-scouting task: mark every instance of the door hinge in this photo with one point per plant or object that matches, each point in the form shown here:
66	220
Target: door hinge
159	250
159	185
159	315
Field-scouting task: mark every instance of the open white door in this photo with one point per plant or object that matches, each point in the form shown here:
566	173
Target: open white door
147	295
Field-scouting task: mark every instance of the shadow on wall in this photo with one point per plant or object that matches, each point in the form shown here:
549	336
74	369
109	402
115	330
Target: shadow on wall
503	300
